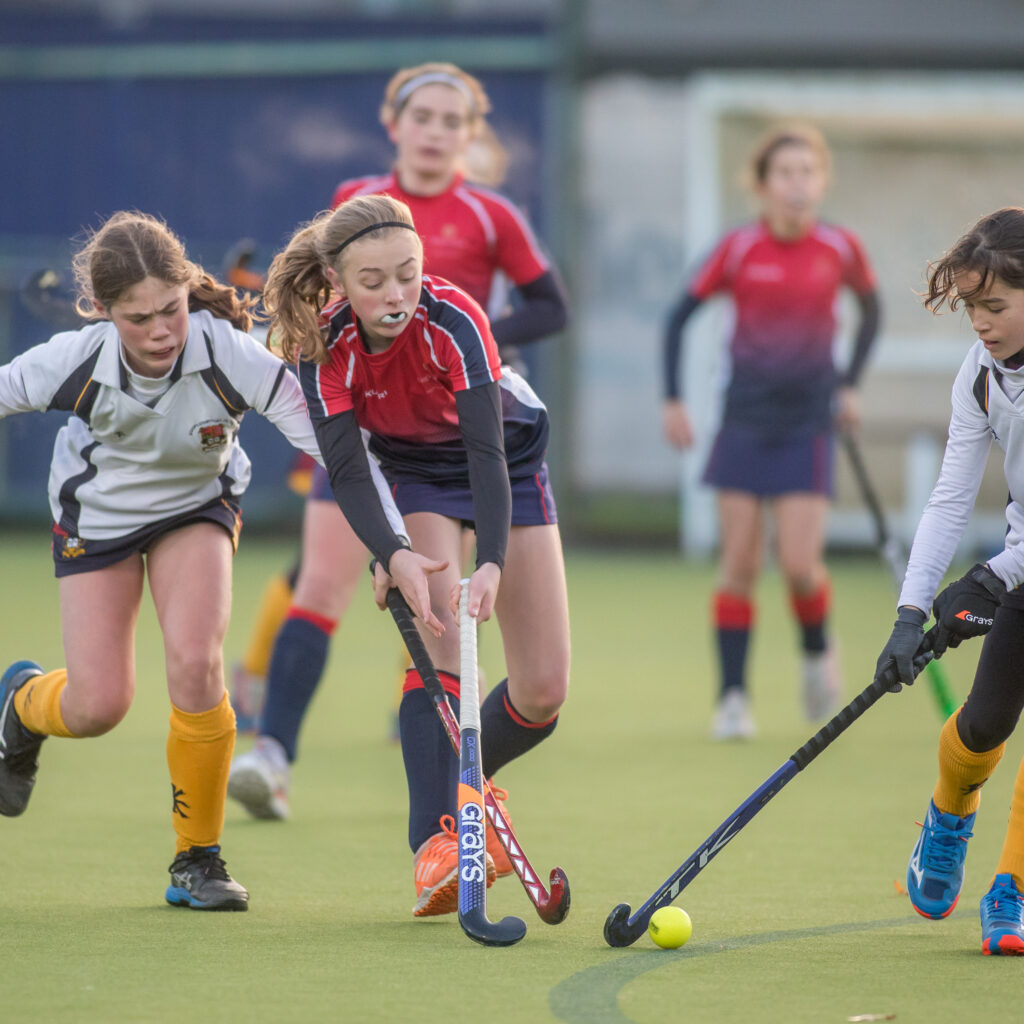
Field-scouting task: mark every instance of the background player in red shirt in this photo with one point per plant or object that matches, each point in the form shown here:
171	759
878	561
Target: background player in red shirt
435	114
461	440
784	395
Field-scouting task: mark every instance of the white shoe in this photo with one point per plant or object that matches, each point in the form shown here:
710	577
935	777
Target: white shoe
732	719
260	778
822	683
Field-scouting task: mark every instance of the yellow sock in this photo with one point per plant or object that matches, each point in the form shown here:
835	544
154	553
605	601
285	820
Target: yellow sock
1011	860
961	772
199	749
277	599
38	704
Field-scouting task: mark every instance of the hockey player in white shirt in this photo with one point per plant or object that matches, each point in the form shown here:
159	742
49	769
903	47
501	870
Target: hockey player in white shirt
145	480
984	272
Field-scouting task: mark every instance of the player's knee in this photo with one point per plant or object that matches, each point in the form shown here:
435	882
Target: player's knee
981	733
321	593
194	675
544	696
97	714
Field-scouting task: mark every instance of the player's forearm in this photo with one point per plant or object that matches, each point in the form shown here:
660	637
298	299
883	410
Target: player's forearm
672	345
867	332
542	311
482	432
350	471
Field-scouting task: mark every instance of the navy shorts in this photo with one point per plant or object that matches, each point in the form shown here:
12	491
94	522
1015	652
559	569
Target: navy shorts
533	504
73	555
746	459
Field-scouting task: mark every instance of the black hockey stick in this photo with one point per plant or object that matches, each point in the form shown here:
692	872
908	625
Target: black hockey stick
620	929
42	295
551	906
894	555
472	822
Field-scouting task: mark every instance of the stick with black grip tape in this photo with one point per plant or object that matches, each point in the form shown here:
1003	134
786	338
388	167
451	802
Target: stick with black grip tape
895	557
552	905
621	929
470	814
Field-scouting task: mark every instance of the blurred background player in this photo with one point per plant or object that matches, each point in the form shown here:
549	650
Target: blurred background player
984	272
784	397
435	114
410	358
145	481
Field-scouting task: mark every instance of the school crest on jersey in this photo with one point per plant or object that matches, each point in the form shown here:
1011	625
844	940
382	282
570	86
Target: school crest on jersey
213	435
71	547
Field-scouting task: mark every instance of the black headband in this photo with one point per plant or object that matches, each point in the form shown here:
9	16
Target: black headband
367	230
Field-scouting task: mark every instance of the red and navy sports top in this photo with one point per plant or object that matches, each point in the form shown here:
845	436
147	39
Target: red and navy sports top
469	233
405	396
784	293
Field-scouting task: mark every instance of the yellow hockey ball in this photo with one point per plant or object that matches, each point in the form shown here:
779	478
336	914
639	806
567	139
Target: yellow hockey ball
670	927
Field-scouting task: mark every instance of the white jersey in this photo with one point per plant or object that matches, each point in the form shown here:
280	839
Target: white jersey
120	464
987	405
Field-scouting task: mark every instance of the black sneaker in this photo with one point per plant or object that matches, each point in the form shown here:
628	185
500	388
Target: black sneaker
19	748
199	880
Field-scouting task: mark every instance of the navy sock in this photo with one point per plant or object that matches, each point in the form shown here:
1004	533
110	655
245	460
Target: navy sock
296	666
504	733
431	765
732	656
812	637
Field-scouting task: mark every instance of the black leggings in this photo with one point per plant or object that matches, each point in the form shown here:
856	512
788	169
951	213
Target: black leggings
994	704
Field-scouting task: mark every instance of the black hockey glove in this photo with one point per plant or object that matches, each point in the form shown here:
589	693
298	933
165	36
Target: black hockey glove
896	662
966	607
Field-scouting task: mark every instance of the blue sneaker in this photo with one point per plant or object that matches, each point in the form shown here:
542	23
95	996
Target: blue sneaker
19	748
199	879
1002	919
935	874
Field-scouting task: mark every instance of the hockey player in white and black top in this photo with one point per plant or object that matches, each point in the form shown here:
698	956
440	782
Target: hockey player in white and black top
984	271
145	482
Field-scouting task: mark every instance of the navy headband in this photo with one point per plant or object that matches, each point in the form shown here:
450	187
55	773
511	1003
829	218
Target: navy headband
367	230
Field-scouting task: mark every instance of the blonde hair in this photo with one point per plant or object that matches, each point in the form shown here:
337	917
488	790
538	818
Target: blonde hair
486	160
298	289
771	142
131	246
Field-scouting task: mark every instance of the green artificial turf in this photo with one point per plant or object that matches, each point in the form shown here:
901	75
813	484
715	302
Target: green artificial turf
797	920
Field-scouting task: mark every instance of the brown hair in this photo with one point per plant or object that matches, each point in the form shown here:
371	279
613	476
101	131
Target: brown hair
131	246
993	247
791	135
297	287
486	161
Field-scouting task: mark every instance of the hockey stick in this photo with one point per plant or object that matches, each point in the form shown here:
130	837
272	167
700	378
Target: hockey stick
472	823
552	907
622	930
895	557
42	295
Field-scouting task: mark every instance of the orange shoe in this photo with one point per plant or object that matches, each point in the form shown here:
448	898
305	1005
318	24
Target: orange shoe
502	865
436	872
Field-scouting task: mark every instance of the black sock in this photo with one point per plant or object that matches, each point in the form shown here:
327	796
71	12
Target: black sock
732	656
504	733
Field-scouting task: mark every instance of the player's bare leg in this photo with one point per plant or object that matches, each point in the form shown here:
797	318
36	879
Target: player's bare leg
800	530
190	579
741	525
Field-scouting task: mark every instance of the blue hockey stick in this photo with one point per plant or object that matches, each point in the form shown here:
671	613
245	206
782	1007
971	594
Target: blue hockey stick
471	817
622	930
